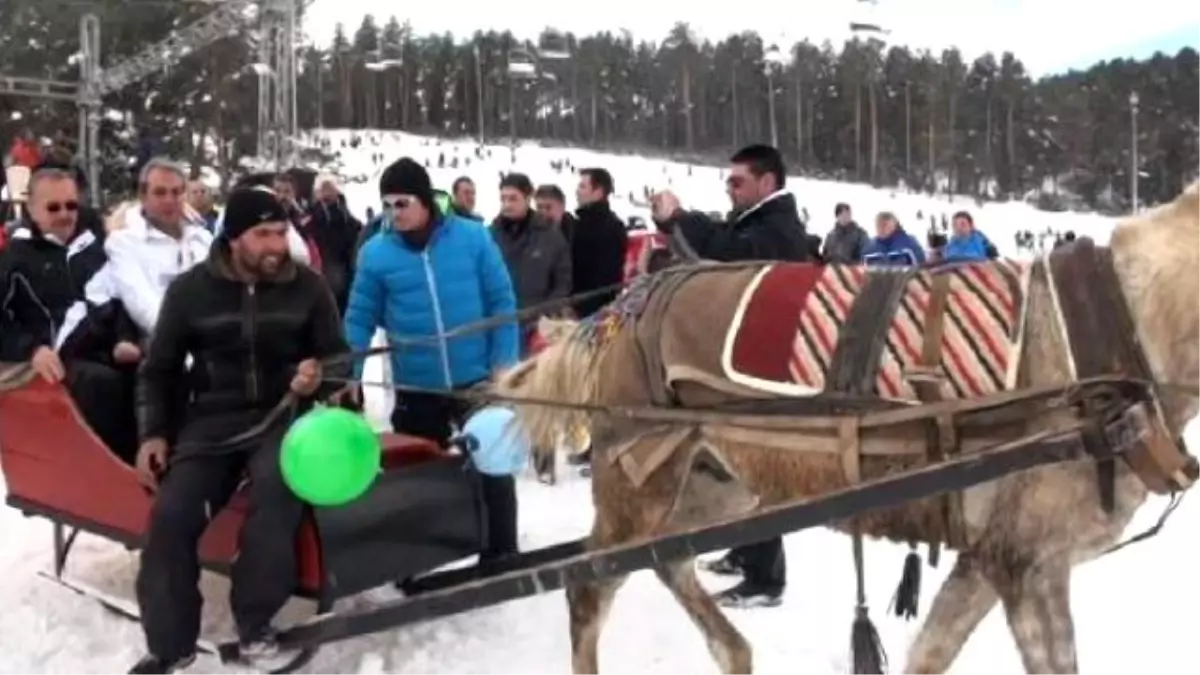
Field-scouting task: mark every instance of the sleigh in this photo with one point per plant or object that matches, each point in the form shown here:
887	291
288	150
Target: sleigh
421	513
947	446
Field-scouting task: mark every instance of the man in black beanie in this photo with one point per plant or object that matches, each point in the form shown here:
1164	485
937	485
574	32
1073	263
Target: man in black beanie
257	327
424	274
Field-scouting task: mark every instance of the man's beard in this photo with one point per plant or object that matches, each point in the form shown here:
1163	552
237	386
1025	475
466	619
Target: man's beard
266	266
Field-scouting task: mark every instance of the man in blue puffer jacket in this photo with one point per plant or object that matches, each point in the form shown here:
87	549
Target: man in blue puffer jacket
892	245
967	243
425	273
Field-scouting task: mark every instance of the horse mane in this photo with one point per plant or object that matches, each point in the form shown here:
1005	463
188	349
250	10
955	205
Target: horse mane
565	372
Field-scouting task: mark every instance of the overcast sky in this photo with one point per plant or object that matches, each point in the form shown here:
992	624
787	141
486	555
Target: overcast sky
1047	35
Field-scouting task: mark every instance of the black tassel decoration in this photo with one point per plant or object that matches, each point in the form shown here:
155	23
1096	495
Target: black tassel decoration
865	646
908	594
866	649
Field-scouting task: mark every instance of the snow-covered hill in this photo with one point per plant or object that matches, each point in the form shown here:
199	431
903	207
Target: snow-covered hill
1132	608
699	187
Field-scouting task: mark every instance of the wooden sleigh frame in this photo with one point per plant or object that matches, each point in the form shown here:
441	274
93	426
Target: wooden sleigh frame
1117	422
423	512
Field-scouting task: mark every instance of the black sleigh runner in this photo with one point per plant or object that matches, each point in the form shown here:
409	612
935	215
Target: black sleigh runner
886	376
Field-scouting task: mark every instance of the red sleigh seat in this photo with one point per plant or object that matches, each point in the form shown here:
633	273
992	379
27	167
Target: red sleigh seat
56	467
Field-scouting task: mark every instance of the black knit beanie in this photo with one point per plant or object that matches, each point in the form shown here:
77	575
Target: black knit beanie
406	177
251	207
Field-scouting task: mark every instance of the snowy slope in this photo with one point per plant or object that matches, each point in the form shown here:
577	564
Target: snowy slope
703	188
1125	604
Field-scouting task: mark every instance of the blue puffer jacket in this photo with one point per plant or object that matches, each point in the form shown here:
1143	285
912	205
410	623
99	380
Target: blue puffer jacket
458	279
899	248
974	246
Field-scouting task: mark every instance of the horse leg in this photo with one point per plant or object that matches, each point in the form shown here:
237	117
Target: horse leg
1038	606
727	646
961	603
588	605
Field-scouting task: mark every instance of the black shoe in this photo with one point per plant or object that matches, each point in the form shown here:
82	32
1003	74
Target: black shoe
153	665
746	596
725	566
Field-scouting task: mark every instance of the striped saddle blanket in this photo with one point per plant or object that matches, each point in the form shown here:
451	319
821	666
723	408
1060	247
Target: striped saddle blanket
797	325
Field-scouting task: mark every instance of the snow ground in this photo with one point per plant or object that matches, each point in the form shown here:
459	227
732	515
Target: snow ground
1133	610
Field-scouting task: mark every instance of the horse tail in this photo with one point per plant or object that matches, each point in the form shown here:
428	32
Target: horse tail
559	376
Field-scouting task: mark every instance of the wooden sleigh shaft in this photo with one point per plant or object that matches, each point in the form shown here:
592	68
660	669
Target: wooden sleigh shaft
546	570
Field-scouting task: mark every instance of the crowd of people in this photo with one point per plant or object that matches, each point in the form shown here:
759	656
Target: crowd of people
177	327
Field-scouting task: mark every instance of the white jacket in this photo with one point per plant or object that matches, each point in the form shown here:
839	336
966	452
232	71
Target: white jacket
143	261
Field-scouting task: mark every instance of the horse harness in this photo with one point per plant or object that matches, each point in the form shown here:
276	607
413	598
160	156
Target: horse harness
1103	345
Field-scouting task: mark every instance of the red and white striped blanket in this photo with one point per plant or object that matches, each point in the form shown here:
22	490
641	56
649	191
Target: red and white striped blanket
786	329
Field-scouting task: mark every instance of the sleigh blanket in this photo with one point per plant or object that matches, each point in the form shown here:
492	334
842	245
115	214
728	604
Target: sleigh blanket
788	327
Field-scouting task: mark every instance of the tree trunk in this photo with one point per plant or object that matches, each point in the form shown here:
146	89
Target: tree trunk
734	101
907	131
871	96
952	140
857	132
989	165
1014	183
687	107
932	157
799	119
594	112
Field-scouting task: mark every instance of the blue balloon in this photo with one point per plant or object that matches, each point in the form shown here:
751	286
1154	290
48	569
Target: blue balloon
498	444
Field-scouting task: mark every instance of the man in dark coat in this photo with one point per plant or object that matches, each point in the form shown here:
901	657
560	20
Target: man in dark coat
598	242
766	227
847	241
536	253
462	199
257	327
335	233
764	224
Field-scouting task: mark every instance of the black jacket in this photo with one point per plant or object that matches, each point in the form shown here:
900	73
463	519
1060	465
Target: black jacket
335	233
39	281
770	230
598	241
245	341
538	259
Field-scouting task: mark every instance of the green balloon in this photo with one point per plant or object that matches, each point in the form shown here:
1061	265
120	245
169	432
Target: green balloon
330	456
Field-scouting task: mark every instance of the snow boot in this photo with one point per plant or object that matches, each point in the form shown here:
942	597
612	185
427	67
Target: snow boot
264	654
747	596
154	665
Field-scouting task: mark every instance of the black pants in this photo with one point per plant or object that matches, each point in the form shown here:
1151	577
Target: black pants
433	417
763	564
105	396
265	573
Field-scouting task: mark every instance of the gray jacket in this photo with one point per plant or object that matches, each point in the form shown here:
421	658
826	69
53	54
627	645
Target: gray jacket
845	244
538	259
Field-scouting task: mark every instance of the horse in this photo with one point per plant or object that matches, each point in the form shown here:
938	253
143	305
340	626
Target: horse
1020	536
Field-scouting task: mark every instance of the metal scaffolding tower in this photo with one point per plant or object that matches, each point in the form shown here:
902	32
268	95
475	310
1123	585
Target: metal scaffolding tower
277	71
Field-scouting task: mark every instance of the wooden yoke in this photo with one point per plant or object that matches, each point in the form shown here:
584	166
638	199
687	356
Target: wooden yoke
1103	341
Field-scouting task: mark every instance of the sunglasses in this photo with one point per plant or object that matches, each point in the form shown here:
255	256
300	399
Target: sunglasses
398	203
55	207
